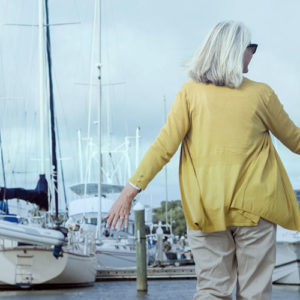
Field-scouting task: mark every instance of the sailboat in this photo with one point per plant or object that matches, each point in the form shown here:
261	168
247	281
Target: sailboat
34	256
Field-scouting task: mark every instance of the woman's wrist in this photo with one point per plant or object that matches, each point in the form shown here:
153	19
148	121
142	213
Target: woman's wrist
131	191
135	187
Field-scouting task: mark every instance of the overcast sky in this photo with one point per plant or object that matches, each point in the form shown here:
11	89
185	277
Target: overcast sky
145	45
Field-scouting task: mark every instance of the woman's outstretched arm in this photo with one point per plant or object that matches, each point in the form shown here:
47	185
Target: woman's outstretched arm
159	154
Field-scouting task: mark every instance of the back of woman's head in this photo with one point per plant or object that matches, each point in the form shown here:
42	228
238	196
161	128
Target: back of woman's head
219	60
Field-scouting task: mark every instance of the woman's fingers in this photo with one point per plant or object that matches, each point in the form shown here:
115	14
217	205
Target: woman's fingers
121	220
114	222
116	215
109	220
114	219
126	221
120	210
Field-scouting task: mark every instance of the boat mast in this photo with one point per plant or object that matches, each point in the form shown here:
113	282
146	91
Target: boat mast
41	85
52	116
99	221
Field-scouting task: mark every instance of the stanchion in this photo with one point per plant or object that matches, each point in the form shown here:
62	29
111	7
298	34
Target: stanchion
159	245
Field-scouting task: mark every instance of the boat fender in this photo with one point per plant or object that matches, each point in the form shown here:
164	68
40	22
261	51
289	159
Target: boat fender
57	252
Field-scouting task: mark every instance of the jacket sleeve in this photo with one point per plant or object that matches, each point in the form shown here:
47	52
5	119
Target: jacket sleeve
166	143
280	124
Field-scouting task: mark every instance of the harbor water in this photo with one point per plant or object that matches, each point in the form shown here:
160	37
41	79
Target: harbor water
126	290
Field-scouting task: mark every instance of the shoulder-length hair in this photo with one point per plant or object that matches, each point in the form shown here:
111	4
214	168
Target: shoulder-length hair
219	60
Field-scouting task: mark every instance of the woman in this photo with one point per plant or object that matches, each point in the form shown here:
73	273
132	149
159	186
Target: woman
233	185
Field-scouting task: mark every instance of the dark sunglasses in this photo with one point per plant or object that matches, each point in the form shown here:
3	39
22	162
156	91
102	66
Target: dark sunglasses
253	47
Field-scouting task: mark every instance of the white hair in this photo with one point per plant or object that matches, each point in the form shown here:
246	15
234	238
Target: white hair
219	60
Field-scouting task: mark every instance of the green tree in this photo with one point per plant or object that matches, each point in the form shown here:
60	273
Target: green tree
175	216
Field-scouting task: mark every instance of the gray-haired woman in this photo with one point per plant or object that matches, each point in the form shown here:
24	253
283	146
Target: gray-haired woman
233	185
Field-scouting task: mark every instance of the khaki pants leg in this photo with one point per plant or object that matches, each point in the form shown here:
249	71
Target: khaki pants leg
215	266
242	255
256	254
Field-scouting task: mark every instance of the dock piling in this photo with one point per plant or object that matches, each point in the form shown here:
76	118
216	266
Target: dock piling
140	235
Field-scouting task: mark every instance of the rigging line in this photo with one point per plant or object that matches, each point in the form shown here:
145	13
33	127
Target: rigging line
79	69
14	39
15	88
66	126
58	91
115	38
84	53
2	72
108	92
57	88
2	162
92	56
61	167
25	150
3	174
4	109
29	104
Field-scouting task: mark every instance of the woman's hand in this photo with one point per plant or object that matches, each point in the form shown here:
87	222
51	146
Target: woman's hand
120	210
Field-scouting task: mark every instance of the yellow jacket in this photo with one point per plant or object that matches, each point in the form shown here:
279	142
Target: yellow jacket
230	173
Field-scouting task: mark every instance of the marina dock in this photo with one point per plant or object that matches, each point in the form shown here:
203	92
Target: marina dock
186	272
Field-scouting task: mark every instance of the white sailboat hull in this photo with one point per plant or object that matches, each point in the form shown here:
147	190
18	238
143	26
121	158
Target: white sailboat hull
30	234
28	266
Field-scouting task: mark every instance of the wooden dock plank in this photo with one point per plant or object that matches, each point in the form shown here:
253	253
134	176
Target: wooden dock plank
187	272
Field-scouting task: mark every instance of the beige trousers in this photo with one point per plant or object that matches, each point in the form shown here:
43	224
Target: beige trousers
240	256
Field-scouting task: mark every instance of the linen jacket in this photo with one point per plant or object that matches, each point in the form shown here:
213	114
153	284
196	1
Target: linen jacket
229	172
